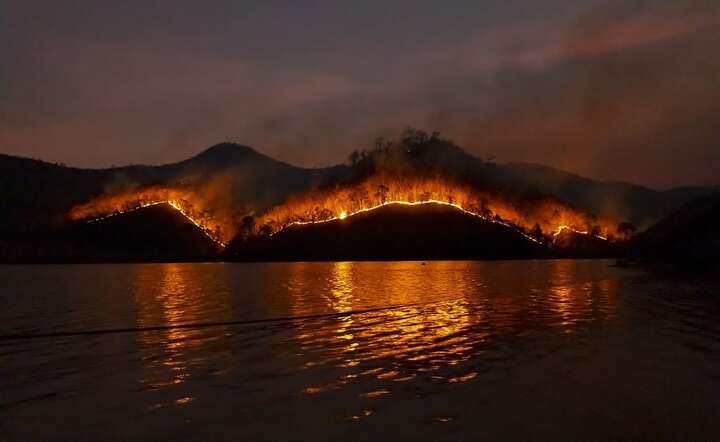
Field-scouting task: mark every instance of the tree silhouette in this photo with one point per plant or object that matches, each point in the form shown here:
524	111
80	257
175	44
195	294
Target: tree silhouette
485	211
382	193
354	158
248	223
536	232
626	229
266	230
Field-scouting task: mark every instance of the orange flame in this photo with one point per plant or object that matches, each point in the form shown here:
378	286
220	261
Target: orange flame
218	225
535	218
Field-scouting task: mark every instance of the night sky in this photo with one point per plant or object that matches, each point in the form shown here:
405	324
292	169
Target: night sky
621	90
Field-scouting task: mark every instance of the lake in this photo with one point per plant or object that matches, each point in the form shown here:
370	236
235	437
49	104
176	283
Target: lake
562	350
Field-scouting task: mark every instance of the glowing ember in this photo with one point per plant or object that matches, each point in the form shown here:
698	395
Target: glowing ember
175	205
344	215
562	228
216	225
539	219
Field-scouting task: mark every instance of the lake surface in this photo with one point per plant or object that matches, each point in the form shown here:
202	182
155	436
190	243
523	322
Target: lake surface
518	350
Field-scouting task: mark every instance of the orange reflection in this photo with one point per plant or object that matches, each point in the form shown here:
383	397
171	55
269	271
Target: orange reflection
341	287
169	295
439	316
575	297
393	344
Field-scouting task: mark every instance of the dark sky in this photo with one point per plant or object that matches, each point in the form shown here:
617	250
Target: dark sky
625	90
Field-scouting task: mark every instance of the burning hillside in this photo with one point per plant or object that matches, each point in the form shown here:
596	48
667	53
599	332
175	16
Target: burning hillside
419	169
540	219
393	231
217	223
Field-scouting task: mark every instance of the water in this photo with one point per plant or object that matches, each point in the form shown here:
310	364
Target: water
445	350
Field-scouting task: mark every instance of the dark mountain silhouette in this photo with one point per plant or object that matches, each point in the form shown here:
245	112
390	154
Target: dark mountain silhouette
152	234
35	196
569	244
617	200
390	233
34	192
429	154
691	234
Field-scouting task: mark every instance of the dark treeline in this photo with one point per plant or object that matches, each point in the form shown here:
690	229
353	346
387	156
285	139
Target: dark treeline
35	196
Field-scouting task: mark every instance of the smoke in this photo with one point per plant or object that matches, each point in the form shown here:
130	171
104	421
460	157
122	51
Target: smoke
624	85
598	90
641	91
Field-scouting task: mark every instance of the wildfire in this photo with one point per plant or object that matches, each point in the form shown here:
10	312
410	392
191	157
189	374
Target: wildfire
562	228
537	219
218	225
344	215
540	220
175	205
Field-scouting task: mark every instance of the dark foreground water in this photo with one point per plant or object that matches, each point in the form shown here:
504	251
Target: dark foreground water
561	350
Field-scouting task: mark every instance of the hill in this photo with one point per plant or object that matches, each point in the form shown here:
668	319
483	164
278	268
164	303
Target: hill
639	205
569	244
152	234
36	197
34	192
691	233
392	232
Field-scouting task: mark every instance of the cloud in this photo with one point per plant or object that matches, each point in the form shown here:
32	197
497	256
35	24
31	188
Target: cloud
619	93
592	87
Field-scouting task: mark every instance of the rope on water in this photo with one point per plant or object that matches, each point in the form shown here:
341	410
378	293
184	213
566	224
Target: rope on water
199	325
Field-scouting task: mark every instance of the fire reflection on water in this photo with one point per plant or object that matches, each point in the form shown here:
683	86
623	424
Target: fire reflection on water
391	345
573	302
341	301
446	320
172	356
341	296
440	323
501	341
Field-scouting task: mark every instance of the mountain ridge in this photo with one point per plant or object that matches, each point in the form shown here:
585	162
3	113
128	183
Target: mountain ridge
689	234
436	232
214	153
35	192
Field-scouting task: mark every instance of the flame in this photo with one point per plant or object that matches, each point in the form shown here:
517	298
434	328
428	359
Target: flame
344	215
218	225
541	220
538	219
562	228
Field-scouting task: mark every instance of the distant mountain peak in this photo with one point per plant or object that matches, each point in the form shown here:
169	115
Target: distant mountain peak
223	155
227	149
